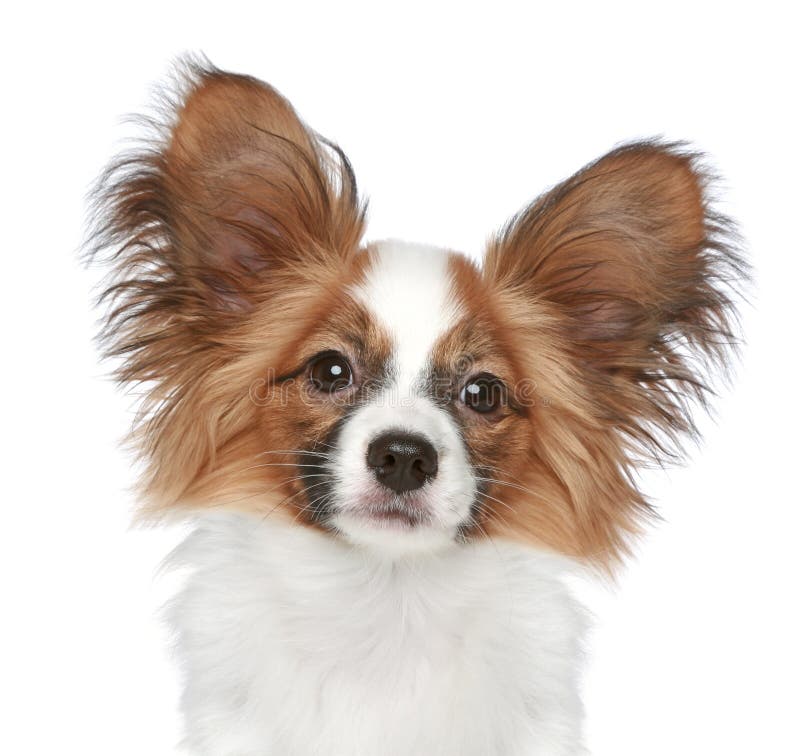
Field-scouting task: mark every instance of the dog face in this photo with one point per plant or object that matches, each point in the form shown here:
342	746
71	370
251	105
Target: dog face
396	395
395	407
397	459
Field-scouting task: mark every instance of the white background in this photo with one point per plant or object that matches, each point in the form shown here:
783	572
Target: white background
453	119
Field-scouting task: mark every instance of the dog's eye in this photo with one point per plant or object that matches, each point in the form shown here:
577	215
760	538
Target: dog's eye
484	393
330	372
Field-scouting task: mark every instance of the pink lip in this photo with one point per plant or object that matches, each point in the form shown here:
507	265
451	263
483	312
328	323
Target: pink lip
394	511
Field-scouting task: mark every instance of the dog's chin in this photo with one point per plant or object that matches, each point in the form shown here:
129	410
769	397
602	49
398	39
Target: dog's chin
395	526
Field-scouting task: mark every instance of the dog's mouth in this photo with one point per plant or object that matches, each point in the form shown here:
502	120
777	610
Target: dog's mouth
396	523
384	510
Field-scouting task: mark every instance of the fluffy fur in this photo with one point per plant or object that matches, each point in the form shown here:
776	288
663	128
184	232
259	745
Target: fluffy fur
323	612
295	643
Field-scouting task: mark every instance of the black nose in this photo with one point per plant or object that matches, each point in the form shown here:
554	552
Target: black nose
402	461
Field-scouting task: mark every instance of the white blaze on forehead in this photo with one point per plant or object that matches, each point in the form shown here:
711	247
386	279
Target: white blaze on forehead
408	288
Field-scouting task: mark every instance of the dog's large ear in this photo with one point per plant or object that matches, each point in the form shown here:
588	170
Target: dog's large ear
218	232
235	192
635	274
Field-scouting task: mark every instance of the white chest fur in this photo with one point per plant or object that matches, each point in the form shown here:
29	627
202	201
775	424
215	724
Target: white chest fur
295	644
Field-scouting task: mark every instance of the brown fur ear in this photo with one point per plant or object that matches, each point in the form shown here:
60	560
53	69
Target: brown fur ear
235	191
256	188
617	290
638	274
233	204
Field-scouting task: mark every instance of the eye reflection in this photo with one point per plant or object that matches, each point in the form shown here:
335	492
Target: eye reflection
484	393
330	372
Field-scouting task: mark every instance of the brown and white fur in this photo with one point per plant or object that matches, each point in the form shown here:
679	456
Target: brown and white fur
341	605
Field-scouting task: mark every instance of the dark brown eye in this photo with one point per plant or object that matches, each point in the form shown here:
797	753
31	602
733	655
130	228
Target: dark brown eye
330	372
484	393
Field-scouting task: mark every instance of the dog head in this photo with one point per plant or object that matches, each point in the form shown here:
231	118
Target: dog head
400	396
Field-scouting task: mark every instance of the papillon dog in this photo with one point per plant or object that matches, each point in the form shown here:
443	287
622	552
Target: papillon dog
392	457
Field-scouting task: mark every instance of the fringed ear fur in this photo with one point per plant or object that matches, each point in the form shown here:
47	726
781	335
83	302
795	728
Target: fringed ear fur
216	231
619	287
232	195
640	274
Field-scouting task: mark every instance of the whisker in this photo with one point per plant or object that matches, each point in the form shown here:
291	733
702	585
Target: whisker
500	471
279	464
507	506
295	451
317	442
268	491
303	490
287	499
485	506
505	483
310	506
529	491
